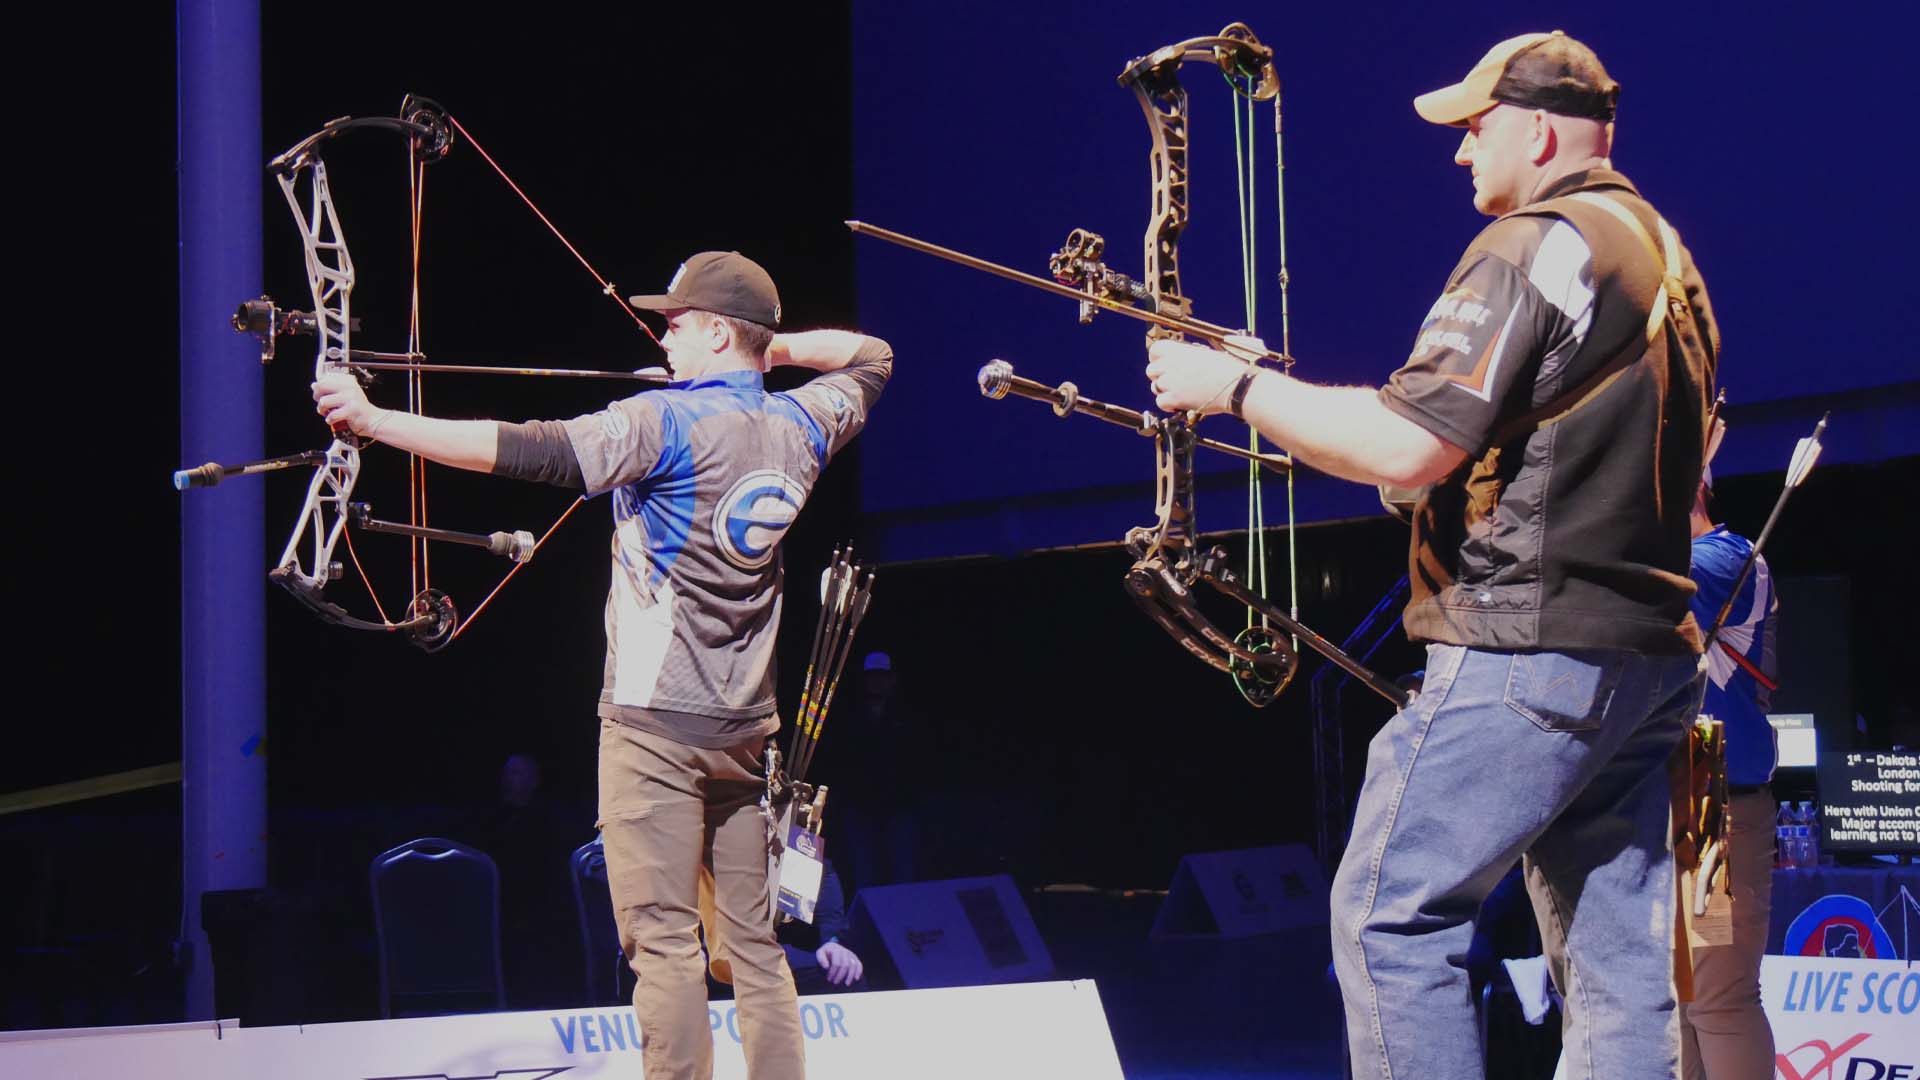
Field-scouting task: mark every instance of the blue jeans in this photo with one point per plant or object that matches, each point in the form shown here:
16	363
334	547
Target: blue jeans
1557	757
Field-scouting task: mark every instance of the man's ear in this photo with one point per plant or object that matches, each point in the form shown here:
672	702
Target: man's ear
1541	138
719	335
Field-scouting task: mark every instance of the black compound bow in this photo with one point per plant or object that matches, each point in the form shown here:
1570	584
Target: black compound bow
1168	560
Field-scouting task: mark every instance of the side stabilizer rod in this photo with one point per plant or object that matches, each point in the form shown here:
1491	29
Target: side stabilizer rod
517	545
997	380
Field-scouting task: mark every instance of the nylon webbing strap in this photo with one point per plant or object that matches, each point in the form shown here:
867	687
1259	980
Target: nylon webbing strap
1668	301
1666	251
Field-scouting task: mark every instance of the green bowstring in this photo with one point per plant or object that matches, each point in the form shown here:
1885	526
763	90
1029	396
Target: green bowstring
1245	177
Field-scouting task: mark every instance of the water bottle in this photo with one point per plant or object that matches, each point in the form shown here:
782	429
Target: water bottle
1783	853
1807	836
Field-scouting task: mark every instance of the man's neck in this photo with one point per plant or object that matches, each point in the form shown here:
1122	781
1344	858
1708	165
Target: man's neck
1558	170
725	365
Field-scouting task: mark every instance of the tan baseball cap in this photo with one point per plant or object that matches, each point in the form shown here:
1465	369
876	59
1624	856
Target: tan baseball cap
1534	71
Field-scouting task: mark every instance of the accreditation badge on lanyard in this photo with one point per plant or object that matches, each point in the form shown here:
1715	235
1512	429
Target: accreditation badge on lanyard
801	865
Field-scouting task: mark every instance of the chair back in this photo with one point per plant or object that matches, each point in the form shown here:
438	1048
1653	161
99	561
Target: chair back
599	935
436	917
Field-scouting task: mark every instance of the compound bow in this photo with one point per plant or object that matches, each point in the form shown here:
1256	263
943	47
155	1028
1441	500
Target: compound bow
1168	560
307	563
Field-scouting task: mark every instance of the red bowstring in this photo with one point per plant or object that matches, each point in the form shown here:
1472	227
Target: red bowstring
605	285
416	472
347	534
422	570
462	628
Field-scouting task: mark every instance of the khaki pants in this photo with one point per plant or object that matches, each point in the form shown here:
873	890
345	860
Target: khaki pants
1723	1031
671	814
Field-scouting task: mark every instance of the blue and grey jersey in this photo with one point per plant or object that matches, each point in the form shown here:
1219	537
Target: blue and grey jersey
705	477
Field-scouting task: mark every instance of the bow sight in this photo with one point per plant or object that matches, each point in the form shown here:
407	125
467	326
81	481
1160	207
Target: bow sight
267	322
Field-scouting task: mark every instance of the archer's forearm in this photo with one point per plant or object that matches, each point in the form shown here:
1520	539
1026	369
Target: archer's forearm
1345	431
463	444
818	350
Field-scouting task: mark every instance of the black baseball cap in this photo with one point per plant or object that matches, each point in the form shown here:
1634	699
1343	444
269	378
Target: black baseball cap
1534	71
723	282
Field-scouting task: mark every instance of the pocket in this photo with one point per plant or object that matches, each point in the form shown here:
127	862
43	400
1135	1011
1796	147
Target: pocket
623	791
1564	691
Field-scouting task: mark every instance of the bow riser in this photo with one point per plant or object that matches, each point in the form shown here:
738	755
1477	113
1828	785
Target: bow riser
1164	101
323	518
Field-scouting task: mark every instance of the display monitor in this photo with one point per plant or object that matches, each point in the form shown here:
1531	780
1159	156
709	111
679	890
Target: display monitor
1796	740
1870	801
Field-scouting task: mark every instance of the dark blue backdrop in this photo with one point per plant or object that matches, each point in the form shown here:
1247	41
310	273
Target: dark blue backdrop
1770	137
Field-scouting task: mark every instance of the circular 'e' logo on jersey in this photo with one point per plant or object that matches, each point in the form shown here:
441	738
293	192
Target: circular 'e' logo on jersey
750	519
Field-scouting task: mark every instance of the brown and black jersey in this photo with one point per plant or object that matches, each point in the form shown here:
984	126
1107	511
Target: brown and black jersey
1556	358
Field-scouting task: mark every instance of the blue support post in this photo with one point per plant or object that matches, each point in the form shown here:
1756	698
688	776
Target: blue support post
222	543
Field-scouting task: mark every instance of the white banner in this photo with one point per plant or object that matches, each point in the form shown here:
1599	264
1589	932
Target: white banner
1015	1030
1836	1018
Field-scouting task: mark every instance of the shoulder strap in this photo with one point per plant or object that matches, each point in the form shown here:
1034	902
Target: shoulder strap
1665	251
1669	304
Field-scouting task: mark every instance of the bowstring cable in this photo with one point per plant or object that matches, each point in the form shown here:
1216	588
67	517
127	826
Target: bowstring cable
347	535
422	578
418	182
538	544
1245	171
606	286
1286	350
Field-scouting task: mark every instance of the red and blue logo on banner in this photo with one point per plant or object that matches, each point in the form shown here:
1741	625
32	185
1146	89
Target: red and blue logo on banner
1838	925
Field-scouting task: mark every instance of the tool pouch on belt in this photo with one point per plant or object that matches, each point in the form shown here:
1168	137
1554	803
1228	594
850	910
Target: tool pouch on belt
1697	776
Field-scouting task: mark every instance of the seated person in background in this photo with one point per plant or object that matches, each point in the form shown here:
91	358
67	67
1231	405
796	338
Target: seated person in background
821	963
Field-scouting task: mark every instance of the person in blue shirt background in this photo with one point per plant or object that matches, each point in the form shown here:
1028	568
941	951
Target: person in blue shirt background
821	962
1723	1030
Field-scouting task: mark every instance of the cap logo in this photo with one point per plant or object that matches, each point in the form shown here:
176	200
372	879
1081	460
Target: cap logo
674	285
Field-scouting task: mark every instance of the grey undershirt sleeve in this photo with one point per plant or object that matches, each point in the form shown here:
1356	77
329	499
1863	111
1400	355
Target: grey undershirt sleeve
540	451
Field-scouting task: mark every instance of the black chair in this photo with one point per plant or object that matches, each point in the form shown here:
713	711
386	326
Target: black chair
436	916
599	936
